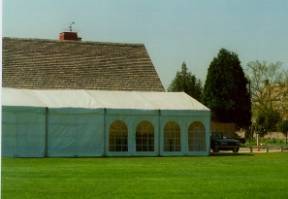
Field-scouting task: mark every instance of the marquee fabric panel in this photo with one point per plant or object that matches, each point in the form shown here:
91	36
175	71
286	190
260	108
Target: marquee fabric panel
75	132
23	131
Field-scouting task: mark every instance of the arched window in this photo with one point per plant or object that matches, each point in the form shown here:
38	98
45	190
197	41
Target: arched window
118	136
196	137
145	136
172	137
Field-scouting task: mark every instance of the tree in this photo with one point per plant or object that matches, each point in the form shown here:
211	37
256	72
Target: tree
269	88
267	120
187	82
226	90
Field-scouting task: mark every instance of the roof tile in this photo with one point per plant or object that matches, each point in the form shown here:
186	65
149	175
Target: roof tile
52	64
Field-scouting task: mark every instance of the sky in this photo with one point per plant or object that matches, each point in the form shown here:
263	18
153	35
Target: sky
173	31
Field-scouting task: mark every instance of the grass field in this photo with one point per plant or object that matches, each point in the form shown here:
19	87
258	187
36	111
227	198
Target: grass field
235	176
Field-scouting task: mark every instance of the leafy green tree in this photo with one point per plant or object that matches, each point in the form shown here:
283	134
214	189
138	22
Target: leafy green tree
226	90
187	82
269	87
267	120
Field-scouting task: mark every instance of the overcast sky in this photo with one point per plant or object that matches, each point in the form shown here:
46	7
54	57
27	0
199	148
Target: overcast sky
173	31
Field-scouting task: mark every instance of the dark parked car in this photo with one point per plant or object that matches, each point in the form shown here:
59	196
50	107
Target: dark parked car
220	142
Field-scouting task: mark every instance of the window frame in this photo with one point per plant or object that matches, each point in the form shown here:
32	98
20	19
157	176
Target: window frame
172	135
196	137
146	139
118	141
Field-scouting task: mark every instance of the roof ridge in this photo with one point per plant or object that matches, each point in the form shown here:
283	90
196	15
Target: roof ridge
78	42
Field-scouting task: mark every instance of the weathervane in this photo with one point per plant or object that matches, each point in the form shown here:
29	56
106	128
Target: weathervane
70	26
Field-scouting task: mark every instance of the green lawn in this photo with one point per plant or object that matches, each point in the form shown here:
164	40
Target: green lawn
235	176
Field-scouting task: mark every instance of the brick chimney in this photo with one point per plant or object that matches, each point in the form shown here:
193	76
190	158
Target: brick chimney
70	36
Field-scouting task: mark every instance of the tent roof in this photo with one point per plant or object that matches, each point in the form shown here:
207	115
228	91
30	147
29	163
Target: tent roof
100	99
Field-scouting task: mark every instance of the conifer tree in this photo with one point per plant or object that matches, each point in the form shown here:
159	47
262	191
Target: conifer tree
187	82
226	90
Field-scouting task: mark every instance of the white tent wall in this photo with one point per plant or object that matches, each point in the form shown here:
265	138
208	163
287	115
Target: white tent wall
158	119
74	132
40	132
23	131
132	118
78	132
184	119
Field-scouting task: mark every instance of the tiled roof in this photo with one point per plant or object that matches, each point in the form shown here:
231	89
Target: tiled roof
52	64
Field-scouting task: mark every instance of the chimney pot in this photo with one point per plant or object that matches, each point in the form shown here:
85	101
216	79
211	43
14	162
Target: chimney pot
70	36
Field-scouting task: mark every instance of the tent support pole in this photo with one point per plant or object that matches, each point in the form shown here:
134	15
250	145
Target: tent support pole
46	133
159	133
104	136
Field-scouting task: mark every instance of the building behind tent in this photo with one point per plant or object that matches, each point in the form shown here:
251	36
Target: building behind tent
72	98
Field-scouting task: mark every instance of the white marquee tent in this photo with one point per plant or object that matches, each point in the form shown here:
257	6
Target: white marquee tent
71	123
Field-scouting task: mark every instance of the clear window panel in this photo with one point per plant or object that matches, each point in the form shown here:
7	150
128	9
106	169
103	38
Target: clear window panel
118	137
145	137
172	137
196	137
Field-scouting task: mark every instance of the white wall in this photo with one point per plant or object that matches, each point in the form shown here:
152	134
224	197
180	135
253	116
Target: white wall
73	132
